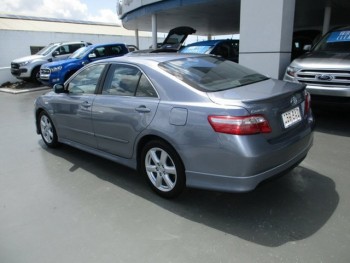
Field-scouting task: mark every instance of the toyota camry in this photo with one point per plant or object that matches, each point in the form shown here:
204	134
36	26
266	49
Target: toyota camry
181	120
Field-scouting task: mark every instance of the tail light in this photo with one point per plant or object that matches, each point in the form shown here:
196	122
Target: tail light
307	102
243	125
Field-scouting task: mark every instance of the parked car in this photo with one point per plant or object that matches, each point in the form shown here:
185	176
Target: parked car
58	72
132	48
227	48
181	120
173	41
326	68
27	68
303	39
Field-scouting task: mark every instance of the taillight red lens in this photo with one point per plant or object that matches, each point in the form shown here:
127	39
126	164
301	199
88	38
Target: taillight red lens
307	102
243	125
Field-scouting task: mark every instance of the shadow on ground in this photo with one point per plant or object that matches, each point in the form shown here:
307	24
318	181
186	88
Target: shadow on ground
290	208
332	118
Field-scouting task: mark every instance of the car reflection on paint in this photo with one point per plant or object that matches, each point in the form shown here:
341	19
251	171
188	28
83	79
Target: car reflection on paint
181	120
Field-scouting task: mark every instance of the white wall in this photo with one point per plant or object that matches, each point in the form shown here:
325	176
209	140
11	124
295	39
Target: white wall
16	44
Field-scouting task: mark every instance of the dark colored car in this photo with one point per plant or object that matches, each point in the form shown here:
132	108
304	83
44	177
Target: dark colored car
228	48
181	120
173	42
59	71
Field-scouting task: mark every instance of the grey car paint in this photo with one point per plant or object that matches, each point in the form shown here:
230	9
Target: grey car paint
116	130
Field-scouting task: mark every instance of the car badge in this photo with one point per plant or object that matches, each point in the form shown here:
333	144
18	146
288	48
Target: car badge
293	100
324	77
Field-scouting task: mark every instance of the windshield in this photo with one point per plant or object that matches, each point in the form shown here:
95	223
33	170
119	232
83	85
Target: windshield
196	49
211	74
337	41
80	53
46	50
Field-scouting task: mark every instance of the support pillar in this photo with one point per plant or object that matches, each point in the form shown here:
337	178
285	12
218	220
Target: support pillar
266	32
154	31
137	38
327	17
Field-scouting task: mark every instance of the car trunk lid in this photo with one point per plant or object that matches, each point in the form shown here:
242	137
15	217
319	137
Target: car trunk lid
279	102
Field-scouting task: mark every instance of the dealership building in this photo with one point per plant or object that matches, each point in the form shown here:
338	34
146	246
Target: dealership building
265	26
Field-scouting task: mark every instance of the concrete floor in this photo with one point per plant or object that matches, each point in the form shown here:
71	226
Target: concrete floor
65	205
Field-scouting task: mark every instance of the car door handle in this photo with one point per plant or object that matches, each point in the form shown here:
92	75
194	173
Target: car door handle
86	104
143	109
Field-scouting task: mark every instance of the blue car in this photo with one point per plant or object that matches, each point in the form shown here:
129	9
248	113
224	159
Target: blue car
228	48
59	71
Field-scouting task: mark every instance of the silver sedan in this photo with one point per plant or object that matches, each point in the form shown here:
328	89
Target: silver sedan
181	120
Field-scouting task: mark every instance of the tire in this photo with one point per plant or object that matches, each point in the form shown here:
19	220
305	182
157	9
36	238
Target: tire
163	169
47	130
34	77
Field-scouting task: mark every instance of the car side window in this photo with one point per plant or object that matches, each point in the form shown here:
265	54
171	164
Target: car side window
114	50
100	52
86	81
145	88
63	50
74	47
128	81
124	81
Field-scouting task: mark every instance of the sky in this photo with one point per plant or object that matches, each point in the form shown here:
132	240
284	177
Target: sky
86	10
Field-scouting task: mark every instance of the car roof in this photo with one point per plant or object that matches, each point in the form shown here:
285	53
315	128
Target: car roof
145	58
211	42
106	44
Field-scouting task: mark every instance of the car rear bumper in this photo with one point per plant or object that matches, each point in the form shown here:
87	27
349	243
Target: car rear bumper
231	183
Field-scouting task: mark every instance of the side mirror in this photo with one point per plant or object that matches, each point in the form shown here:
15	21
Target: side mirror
55	53
307	48
59	88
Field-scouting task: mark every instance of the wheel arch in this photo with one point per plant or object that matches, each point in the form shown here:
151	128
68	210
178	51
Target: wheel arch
37	120
144	140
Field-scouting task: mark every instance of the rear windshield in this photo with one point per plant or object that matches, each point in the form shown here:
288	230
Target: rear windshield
196	49
336	41
210	74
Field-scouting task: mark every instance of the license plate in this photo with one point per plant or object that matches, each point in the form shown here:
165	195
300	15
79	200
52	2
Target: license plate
291	117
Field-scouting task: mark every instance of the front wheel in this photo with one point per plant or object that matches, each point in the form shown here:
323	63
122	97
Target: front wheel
35	76
163	168
47	130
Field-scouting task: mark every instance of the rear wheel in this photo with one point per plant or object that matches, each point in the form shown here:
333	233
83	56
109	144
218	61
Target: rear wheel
47	130
163	169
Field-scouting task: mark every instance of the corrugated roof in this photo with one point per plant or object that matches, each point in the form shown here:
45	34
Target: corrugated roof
29	23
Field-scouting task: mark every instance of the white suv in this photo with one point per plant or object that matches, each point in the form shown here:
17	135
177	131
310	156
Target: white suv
27	68
325	70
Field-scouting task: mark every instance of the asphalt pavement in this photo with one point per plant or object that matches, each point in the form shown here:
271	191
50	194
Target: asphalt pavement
65	205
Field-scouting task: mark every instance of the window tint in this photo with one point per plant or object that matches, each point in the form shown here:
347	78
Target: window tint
337	41
210	73
123	82
145	89
63	50
127	80
86	81
74	47
115	50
